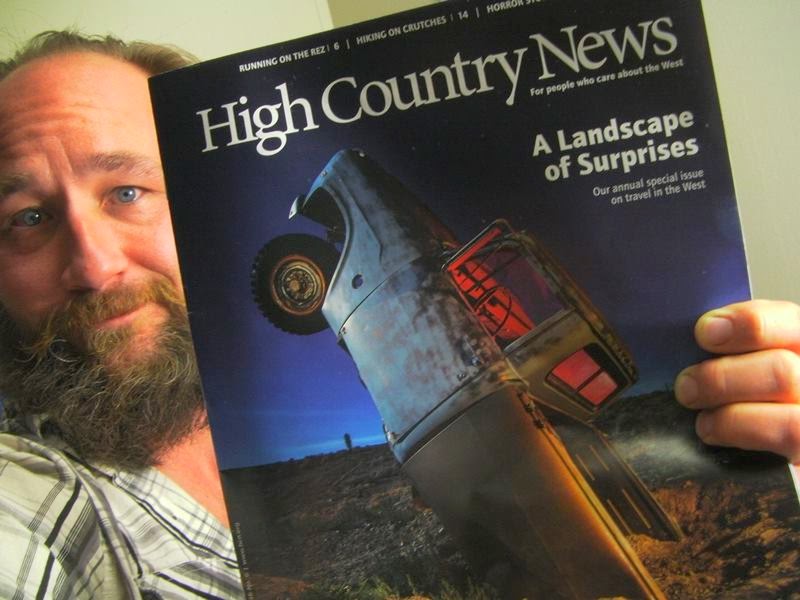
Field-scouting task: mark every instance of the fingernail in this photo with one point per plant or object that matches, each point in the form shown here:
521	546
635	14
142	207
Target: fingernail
716	330
686	390
703	427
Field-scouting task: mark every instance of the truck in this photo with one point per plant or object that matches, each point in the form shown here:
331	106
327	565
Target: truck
488	365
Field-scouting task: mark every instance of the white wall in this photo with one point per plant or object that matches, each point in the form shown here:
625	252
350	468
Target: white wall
755	50
346	12
204	27
756	53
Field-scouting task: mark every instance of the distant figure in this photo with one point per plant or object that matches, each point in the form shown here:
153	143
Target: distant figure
348	441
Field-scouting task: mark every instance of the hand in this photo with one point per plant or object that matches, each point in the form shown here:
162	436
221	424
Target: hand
750	396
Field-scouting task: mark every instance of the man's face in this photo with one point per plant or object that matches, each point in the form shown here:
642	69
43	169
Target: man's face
83	210
93	328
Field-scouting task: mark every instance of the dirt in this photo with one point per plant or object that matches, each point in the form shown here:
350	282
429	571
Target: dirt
338	521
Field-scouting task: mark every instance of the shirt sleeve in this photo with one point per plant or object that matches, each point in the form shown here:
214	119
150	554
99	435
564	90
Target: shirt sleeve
53	545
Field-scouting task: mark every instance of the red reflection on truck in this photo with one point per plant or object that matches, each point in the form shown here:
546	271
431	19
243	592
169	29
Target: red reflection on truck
581	373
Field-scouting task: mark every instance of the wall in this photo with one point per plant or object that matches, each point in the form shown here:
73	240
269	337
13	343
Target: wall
346	12
756	55
755	50
208	29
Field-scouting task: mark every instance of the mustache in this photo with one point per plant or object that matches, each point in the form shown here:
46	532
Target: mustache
118	411
75	324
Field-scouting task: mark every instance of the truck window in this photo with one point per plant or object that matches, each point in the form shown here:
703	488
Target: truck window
503	287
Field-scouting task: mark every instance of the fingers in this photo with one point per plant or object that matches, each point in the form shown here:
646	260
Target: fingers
765	376
750	396
750	326
771	427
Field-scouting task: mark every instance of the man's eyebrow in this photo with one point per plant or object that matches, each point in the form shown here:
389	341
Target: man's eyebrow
11	183
135	164
127	162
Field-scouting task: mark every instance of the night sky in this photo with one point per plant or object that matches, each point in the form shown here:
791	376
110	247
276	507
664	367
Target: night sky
651	266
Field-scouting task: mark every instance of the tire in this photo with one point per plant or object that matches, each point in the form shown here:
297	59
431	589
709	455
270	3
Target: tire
290	278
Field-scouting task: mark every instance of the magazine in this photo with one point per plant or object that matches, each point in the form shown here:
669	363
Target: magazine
442	269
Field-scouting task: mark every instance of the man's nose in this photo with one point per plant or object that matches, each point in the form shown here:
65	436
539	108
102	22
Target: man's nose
96	255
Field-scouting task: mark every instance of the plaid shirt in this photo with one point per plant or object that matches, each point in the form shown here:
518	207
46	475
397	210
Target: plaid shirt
73	530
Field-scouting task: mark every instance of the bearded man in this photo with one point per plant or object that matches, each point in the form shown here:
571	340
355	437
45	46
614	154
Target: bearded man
108	480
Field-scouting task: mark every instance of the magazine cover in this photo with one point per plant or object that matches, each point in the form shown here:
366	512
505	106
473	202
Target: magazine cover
442	269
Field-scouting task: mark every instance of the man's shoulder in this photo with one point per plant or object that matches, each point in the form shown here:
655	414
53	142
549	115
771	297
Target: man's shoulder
28	457
75	516
50	527
40	488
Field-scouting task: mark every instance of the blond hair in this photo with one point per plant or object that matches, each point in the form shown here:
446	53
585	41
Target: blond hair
153	58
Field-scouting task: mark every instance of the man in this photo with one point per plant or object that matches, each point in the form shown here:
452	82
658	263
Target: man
108	483
95	337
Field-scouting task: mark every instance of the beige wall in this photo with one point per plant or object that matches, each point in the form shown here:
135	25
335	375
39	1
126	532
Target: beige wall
346	12
755	50
756	54
205	27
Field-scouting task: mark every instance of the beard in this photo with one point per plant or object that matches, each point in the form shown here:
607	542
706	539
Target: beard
113	397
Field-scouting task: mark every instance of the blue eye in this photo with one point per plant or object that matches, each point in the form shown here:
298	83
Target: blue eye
28	217
127	194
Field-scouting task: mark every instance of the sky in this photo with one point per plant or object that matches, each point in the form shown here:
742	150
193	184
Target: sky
651	266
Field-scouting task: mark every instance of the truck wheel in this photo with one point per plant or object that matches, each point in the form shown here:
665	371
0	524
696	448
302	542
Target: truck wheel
289	280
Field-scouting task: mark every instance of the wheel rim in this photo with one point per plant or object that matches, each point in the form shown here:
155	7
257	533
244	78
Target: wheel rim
298	285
